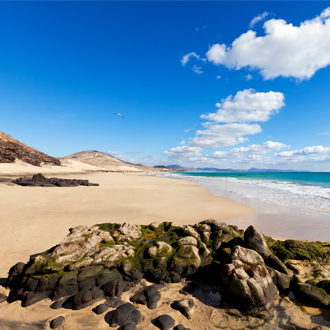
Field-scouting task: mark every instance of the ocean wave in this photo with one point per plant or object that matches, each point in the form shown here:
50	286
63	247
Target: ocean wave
312	197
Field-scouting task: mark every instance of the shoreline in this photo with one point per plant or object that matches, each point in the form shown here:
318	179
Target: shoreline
275	220
35	221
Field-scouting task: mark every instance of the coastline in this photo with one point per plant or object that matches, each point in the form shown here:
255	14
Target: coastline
275	220
35	221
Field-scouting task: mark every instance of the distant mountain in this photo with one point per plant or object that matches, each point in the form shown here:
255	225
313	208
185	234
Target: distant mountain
12	150
213	169
101	161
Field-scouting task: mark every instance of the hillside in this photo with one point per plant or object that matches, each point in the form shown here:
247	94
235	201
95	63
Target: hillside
12	150
96	160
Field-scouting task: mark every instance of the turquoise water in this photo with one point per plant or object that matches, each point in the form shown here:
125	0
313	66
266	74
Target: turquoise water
321	179
305	190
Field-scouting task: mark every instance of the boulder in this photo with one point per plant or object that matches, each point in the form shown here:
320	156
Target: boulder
254	240
185	306
82	241
281	280
100	309
129	326
186	261
128	232
188	240
125	313
246	281
56	322
3	297
30	298
148	296
275	263
159	249
311	295
165	322
325	285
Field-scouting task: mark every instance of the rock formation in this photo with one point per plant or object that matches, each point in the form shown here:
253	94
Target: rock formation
38	180
12	150
104	261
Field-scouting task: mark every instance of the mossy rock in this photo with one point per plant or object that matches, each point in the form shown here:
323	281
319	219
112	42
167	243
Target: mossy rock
312	283
311	295
325	285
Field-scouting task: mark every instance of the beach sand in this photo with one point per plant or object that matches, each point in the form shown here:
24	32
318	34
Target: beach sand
34	219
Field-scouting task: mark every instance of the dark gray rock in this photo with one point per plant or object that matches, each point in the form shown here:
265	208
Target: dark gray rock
254	240
114	302
185	306
275	263
100	309
129	326
126	313
311	295
38	180
325	285
281	280
88	273
165	322
58	304
148	296
106	276
180	327
56	322
31	298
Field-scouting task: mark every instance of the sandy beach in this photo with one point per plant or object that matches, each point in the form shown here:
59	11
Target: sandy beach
34	219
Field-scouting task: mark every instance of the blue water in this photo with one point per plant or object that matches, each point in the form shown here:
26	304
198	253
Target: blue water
304	190
321	179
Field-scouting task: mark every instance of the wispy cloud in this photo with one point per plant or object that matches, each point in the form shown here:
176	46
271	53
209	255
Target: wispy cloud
200	29
258	18
197	69
248	77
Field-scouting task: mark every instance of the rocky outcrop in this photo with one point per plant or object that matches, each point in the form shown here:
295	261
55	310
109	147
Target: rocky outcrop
246	280
12	150
38	180
103	261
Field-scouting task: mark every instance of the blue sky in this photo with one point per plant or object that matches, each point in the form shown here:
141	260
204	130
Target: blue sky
219	84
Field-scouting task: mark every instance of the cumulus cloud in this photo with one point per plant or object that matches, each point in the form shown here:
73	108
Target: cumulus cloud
257	19
247	106
285	50
235	115
183	152
265	148
315	150
219	136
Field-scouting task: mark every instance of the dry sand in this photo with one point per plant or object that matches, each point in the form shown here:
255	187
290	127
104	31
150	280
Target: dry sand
34	219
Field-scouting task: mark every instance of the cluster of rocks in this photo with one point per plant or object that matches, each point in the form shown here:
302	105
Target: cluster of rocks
38	180
103	261
11	150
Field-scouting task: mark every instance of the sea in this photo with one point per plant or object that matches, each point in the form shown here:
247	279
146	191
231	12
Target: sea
291	204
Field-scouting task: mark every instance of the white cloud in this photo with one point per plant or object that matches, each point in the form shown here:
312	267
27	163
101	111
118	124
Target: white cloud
260	17
285	50
199	29
248	77
183	152
315	150
219	136
247	106
197	69
218	77
325	133
186	58
266	147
